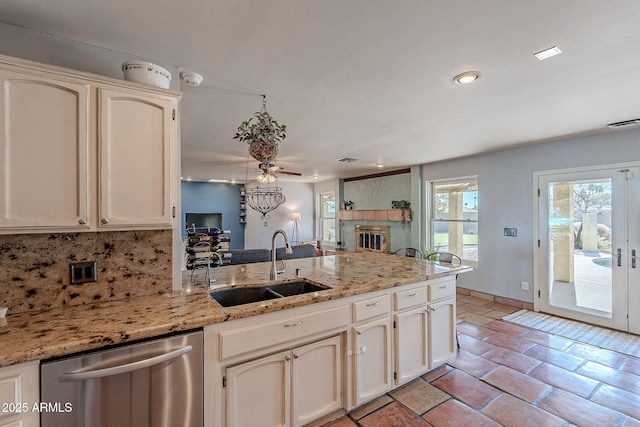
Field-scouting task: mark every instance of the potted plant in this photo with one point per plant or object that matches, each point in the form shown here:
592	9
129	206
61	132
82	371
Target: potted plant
406	212
348	205
263	134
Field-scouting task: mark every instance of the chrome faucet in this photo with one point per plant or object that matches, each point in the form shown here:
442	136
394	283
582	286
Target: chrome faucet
273	275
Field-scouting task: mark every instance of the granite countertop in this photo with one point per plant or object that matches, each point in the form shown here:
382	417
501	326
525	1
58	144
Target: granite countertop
61	331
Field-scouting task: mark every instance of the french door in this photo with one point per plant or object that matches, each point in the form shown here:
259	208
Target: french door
588	239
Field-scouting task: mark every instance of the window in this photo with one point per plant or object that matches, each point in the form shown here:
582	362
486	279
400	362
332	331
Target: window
327	217
454	217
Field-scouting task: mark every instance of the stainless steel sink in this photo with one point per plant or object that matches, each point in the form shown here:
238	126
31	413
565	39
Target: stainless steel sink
238	296
298	287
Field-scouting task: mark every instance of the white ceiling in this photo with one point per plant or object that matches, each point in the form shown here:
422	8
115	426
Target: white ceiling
370	79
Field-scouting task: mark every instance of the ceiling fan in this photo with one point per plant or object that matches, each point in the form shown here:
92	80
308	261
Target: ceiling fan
272	168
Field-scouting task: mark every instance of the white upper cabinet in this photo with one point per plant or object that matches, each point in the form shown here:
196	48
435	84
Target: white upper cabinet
43	152
84	152
135	147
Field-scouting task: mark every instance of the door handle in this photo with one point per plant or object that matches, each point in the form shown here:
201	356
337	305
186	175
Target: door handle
115	370
633	258
619	256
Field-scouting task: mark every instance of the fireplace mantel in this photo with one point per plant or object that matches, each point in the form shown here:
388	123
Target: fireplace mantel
370	215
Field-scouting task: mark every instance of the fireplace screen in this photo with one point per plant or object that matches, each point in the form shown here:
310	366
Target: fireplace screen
372	238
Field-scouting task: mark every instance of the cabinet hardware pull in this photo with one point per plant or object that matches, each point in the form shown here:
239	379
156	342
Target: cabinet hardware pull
412	295
82	221
290	325
128	367
288	358
633	258
296	355
104	221
442	287
359	332
619	257
373	304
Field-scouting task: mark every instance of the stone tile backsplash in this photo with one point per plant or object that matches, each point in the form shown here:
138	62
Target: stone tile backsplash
35	272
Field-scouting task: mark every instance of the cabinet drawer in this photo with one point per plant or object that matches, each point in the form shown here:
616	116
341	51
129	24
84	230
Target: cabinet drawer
441	290
243	340
410	298
371	308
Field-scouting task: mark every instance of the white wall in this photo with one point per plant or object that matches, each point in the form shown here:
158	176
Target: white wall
506	199
300	198
325	186
52	50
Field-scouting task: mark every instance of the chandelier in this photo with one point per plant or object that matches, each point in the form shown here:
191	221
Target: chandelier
263	136
264	200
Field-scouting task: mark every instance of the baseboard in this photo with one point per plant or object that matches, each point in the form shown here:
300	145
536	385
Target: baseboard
494	298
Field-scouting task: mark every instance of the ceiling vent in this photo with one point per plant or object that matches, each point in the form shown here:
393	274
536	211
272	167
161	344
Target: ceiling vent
624	123
346	160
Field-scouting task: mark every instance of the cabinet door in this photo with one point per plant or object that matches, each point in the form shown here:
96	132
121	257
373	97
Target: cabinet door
44	141
317	380
258	392
442	332
372	360
19	389
411	344
134	157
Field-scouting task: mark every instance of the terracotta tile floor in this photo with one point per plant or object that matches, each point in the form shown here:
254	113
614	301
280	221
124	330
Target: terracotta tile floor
510	375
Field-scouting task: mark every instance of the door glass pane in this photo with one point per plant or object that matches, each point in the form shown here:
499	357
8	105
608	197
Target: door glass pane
580	255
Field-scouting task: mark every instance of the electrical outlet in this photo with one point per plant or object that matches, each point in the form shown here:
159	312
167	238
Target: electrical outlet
83	272
524	286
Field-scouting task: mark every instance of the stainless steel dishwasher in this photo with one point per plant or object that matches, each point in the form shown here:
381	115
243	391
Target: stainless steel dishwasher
156	383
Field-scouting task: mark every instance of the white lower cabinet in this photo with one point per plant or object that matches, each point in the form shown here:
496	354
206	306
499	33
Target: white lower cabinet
292	387
411	344
372	356
316	383
442	332
19	392
294	366
258	392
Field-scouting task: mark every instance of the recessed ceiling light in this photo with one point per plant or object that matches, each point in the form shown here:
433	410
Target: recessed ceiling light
315	177
380	164
466	77
548	53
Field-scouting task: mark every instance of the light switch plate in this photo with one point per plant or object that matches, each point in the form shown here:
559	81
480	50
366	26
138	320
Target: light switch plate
511	232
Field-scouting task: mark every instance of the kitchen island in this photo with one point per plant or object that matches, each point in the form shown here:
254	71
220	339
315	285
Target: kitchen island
371	323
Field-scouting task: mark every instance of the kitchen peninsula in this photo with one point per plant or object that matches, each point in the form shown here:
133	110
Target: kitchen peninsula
358	282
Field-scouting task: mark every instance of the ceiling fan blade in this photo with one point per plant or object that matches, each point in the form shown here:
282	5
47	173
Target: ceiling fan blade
289	173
